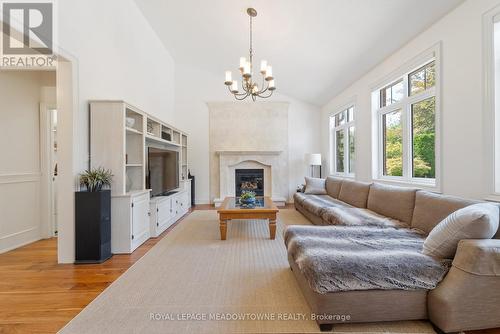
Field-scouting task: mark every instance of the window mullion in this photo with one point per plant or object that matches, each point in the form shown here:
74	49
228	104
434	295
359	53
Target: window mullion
334	155
406	130
408	147
381	157
346	149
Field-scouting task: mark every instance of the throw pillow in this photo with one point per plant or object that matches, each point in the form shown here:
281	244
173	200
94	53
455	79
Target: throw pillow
315	186
477	221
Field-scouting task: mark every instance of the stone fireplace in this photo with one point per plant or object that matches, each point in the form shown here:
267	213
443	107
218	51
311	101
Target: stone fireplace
266	170
249	136
249	180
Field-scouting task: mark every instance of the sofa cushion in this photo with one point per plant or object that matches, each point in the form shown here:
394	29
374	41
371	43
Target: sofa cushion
315	186
390	201
333	185
340	258
299	197
351	216
478	221
431	208
354	193
316	204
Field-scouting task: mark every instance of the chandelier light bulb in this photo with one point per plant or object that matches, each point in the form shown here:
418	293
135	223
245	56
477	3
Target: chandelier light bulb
269	73
255	89
246	71
234	86
271	85
243	62
228	81
263	66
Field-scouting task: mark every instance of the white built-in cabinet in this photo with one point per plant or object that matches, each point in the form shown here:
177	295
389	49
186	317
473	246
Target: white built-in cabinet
129	222
119	136
166	210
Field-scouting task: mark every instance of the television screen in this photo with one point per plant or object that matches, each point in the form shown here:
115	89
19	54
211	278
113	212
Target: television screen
163	170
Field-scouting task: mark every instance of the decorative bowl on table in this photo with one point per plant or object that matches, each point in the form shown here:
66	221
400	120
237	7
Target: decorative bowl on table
247	199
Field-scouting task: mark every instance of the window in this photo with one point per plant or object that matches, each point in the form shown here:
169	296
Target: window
492	100
423	138
422	79
391	94
406	116
393	143
343	142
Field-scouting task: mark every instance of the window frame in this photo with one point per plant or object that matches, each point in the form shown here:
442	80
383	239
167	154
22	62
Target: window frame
491	108
405	106
333	141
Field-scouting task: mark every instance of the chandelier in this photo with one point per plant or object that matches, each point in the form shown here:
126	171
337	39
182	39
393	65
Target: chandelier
248	85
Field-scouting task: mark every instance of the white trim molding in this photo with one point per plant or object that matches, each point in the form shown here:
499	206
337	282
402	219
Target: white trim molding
491	106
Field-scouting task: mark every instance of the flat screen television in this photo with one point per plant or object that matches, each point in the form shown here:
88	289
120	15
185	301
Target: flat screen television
163	171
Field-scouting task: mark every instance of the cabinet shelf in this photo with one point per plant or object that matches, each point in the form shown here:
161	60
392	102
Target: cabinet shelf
133	165
132	130
160	140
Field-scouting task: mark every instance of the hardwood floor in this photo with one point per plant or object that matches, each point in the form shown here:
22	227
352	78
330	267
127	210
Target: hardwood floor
37	295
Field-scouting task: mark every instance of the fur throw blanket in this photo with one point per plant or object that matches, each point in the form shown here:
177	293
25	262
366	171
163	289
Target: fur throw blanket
340	258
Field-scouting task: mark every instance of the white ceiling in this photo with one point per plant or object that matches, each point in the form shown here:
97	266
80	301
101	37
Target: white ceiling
317	47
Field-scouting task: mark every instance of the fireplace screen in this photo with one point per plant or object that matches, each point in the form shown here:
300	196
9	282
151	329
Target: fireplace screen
249	180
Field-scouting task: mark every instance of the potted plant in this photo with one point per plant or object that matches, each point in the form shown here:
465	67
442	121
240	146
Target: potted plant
93	216
247	198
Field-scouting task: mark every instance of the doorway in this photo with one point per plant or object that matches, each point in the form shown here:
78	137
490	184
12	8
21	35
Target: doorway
49	148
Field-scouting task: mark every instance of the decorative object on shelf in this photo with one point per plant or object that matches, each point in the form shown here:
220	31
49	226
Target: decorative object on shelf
247	199
314	159
130	122
94	179
150	126
166	136
93	217
251	88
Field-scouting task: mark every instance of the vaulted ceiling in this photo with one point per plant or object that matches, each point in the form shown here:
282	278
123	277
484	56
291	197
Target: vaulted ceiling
317	47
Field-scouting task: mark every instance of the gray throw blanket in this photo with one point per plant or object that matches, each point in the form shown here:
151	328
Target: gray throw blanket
340	258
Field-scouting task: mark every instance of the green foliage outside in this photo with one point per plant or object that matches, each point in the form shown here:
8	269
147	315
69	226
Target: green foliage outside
424	161
424	136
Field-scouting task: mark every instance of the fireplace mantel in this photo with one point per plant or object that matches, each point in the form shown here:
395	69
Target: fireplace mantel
275	168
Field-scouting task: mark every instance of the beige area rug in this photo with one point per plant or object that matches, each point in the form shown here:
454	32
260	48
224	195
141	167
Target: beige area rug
191	280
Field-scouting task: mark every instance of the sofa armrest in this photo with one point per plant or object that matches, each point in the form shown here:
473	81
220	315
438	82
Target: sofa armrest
467	298
478	257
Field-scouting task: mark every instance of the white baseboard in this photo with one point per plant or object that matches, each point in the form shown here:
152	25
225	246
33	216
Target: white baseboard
202	201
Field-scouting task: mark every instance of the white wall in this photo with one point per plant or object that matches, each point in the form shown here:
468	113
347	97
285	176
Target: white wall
119	57
21	93
462	151
115	54
195	87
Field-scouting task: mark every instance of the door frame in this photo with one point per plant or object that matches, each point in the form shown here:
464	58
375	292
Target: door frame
47	194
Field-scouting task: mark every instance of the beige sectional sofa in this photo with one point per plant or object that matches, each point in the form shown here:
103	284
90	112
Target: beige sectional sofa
467	298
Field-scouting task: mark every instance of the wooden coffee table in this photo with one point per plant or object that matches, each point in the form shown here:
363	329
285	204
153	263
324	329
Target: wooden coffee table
231	210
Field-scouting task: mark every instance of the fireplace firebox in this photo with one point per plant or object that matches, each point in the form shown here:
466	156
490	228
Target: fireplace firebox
249	180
